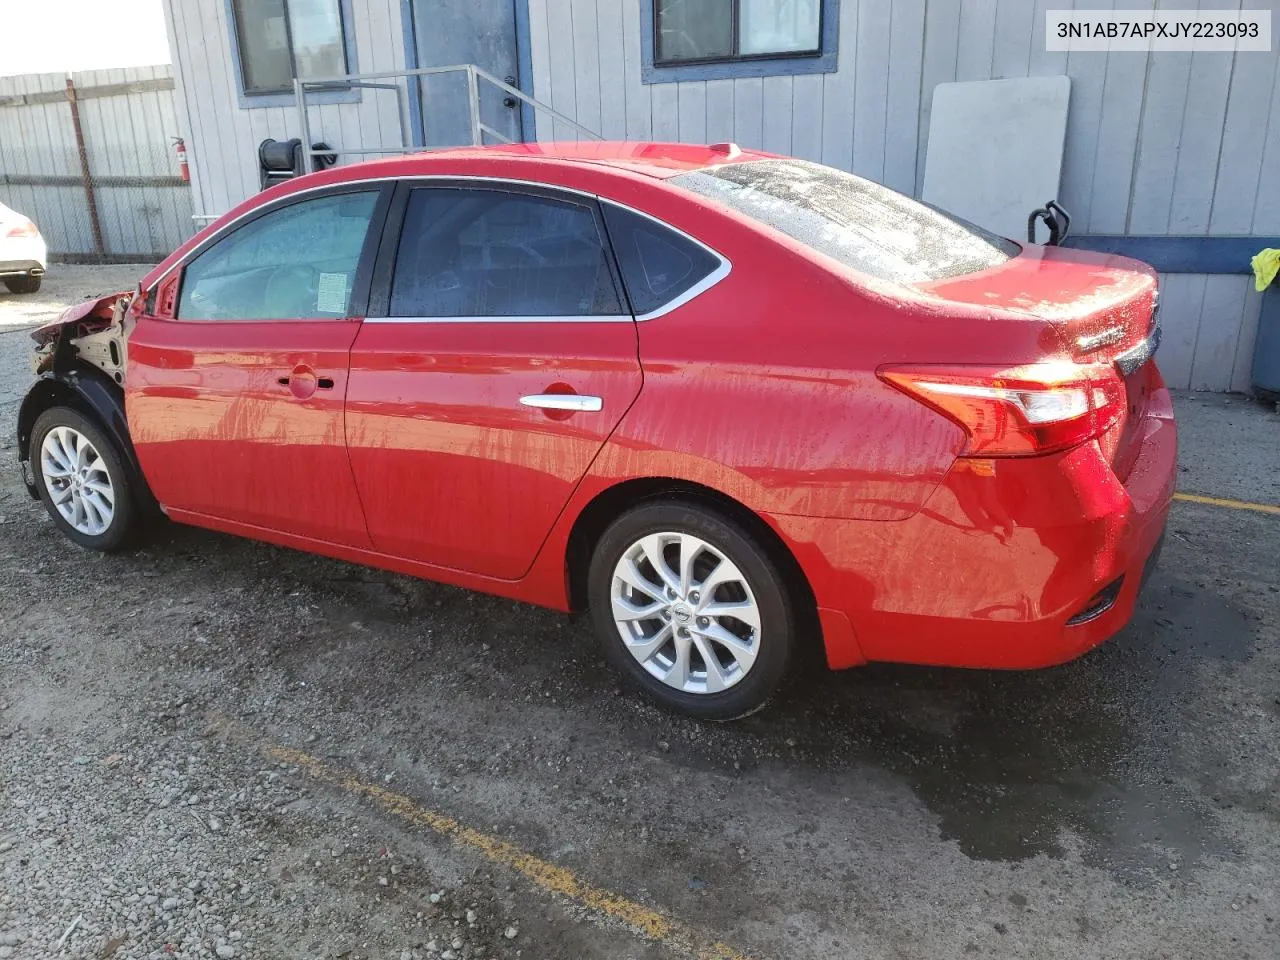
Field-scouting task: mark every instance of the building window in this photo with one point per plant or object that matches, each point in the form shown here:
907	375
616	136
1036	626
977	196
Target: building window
283	39
702	30
715	39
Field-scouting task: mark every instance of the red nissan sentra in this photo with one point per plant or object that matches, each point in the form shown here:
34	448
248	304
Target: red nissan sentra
733	404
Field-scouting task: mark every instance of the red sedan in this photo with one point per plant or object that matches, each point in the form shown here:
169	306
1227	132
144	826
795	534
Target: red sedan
733	404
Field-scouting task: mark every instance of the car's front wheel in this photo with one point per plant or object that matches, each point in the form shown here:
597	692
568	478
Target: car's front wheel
692	608
23	284
82	480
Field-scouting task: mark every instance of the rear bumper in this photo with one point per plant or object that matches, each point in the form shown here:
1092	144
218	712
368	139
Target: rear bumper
1003	566
21	268
20	256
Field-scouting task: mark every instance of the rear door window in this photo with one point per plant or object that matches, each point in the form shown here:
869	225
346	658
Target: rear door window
478	252
659	265
862	224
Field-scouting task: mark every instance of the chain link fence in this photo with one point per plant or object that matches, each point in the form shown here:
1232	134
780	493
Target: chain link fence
91	158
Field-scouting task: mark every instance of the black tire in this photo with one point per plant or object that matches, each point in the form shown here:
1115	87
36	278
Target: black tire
124	514
23	284
774	640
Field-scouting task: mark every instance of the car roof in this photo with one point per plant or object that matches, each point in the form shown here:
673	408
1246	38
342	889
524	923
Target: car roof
659	160
535	161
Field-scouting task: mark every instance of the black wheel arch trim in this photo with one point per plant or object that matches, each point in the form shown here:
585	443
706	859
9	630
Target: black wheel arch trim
93	393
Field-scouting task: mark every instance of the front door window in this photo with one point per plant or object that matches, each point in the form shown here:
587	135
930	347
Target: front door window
296	262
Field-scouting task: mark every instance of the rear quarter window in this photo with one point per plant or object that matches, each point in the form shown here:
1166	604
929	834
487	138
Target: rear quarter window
659	265
862	224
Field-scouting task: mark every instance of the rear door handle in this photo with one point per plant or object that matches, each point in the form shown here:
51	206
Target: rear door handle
563	401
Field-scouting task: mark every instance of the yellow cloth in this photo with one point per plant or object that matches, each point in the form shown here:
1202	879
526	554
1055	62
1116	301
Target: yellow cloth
1265	267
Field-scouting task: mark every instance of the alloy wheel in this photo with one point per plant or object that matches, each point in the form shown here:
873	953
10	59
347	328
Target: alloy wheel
685	612
77	480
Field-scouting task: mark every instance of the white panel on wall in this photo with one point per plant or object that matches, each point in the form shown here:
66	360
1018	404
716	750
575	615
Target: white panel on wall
997	149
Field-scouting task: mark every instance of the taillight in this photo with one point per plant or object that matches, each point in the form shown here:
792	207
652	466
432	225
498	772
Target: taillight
23	228
1020	411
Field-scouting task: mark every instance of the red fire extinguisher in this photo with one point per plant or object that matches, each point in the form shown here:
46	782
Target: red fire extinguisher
180	148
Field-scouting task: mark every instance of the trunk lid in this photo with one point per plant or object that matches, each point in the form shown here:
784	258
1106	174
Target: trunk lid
1100	304
1103	308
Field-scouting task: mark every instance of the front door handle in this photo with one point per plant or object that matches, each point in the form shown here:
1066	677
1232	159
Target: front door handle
303	382
563	401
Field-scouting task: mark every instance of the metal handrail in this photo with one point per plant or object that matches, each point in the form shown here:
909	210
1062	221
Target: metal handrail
474	75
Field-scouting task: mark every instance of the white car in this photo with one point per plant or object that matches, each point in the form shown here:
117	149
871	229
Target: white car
23	253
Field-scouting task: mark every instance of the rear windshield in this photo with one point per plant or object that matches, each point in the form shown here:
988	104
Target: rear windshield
862	224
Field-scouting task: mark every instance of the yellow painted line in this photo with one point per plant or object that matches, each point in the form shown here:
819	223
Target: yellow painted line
682	940
1229	504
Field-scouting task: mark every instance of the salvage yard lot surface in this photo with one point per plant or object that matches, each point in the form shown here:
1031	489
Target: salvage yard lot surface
216	748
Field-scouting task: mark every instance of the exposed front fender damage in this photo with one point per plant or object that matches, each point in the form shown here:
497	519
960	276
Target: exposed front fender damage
80	361
94	332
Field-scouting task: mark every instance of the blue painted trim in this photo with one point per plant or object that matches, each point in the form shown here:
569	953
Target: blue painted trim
1219	255
780	66
524	65
252	101
409	30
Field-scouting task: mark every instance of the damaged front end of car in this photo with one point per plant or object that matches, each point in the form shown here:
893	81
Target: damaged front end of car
94	333
80	361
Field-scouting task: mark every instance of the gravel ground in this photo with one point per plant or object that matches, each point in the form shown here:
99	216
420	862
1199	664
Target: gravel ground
483	774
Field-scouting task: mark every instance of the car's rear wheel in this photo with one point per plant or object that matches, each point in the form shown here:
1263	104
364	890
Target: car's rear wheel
82	480
690	606
23	284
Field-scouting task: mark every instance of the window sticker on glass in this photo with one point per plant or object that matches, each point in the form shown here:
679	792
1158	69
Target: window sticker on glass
331	293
